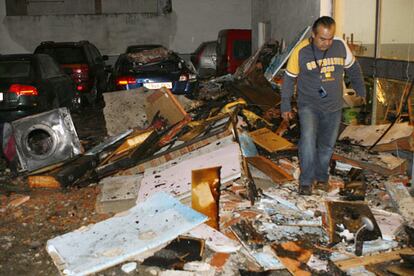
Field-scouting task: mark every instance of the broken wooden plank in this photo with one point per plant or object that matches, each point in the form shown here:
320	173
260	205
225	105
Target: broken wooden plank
270	141
164	156
367	135
43	181
402	200
373	259
277	174
126	236
391	165
406	143
162	101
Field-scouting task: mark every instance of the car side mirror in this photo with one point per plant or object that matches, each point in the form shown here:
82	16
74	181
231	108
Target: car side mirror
105	57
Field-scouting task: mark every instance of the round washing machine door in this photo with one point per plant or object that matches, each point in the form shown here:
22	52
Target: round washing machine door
39	142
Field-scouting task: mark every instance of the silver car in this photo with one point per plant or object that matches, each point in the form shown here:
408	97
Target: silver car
204	59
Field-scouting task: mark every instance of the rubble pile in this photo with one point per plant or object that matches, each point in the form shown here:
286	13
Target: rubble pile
210	188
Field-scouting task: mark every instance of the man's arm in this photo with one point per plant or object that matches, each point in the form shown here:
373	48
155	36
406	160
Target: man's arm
287	93
353	70
357	81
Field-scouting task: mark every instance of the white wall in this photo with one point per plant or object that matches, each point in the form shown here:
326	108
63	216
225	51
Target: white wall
200	20
397	21
190	23
286	18
7	44
357	17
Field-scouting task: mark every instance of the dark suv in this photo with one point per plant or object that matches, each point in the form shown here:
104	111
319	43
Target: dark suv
83	62
30	84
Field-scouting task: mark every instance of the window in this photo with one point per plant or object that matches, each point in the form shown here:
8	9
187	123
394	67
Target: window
14	69
65	55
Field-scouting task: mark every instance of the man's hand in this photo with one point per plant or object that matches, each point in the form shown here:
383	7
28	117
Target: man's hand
287	115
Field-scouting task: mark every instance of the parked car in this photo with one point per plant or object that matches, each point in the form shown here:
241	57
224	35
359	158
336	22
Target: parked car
31	84
153	68
204	59
233	47
141	47
83	62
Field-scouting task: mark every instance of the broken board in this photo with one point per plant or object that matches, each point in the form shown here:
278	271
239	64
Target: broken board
124	237
118	193
129	103
367	135
373	259
270	141
176	179
164	102
277	174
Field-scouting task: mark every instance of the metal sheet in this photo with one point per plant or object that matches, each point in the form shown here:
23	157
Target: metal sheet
145	227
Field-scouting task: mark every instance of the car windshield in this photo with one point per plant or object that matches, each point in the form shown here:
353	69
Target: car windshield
171	63
14	69
67	55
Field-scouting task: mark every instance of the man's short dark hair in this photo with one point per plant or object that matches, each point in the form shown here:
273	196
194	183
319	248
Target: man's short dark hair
325	21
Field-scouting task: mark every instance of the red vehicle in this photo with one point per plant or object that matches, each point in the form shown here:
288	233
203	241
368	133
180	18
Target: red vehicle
233	47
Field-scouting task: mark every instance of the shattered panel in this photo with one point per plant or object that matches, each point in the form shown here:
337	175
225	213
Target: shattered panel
367	135
146	226
346	218
176	180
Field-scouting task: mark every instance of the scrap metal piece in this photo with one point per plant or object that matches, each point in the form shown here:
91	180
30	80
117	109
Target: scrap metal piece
278	60
277	174
45	139
205	193
345	219
72	172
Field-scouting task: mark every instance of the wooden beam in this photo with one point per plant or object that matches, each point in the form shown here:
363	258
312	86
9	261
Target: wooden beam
373	259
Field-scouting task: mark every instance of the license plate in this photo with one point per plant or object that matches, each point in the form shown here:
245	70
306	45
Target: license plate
1	97
157	85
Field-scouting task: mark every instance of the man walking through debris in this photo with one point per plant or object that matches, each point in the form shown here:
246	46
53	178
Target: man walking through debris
318	64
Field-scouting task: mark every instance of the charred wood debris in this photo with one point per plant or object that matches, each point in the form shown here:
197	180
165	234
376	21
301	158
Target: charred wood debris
211	185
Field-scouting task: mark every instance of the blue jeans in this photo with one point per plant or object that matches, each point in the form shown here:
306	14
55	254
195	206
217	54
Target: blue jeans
318	133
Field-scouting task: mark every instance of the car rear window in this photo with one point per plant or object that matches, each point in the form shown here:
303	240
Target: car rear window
66	55
14	69
242	49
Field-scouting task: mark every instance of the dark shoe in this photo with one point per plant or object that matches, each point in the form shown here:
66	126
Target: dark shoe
321	185
305	190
